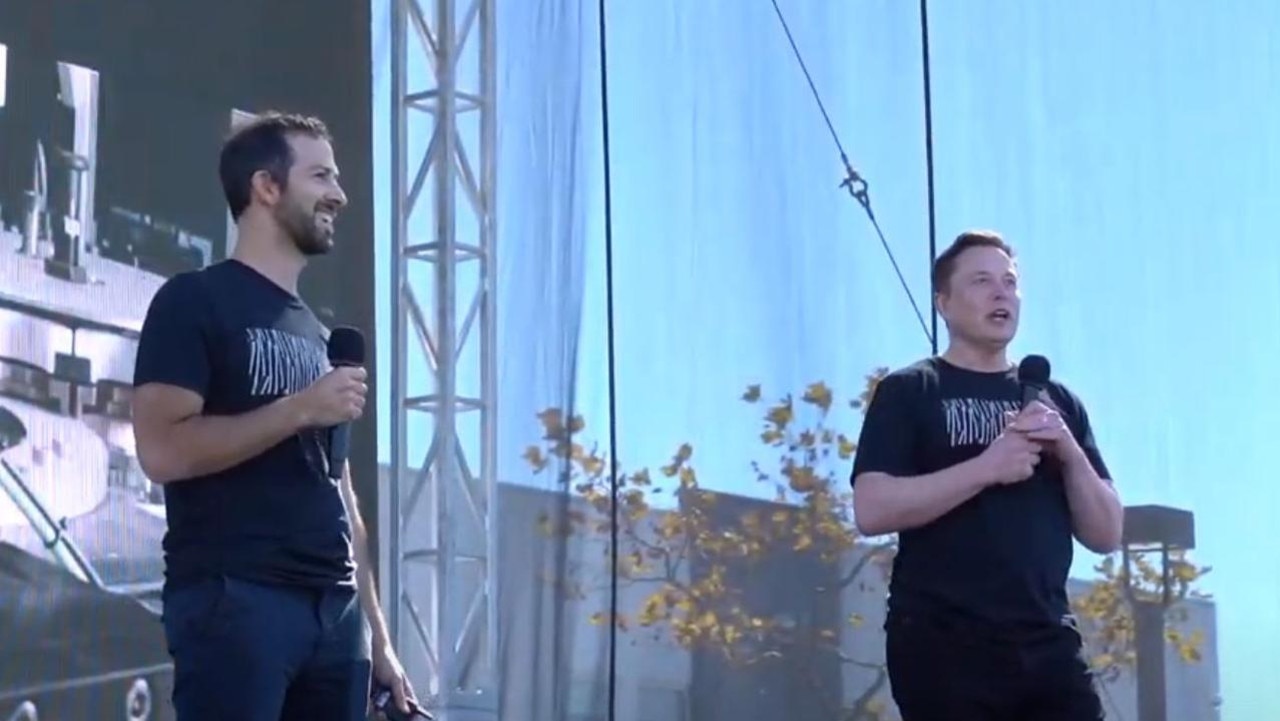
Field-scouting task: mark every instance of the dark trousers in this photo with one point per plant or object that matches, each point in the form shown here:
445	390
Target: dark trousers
944	669
245	651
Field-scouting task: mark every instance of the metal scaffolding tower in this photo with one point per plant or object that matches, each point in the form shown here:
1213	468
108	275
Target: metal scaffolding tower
440	581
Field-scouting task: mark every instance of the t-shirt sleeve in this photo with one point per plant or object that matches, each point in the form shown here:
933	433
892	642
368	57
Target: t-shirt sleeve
173	348
1078	422
887	440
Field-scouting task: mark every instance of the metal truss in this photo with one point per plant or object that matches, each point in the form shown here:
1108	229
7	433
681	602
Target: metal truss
440	581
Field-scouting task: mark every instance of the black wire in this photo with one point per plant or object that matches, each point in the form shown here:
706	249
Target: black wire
928	154
613	394
853	182
857	185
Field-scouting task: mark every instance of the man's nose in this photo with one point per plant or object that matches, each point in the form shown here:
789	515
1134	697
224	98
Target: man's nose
338	197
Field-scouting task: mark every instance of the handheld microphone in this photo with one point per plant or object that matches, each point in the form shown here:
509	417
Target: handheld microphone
383	702
1033	374
346	348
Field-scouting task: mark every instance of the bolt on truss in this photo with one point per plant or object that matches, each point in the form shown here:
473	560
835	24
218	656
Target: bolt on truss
440	583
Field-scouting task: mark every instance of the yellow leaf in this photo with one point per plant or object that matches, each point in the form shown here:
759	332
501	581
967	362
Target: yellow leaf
561	449
533	455
1185	572
802	479
846	448
592	465
688	479
780	415
731	634
818	394
652	611
684	453
552	421
597	619
708	621
873	382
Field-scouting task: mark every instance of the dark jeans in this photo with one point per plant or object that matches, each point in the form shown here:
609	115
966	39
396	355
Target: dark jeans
245	651
944	669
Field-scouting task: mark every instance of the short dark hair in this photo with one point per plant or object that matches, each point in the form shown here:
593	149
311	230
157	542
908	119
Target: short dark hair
944	266
261	144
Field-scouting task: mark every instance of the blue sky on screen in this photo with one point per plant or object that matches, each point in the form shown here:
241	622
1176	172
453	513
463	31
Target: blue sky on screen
1130	153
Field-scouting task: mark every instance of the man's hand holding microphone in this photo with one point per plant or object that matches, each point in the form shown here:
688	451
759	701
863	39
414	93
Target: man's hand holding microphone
1028	434
335	398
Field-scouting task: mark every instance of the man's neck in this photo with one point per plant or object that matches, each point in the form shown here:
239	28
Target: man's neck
268	256
982	360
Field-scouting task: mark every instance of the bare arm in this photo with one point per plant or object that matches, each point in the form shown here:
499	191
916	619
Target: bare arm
888	504
173	371
1096	512
176	441
1097	516
387	670
365	580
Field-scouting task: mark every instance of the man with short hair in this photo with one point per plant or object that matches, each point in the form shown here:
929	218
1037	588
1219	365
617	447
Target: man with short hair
986	496
266	560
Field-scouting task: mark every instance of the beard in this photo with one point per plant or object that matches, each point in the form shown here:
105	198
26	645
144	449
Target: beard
309	235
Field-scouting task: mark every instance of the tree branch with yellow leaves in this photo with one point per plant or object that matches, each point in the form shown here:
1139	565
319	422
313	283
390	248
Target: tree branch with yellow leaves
667	524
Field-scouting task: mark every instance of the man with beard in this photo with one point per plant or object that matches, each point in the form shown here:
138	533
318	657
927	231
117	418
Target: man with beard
985	496
267	571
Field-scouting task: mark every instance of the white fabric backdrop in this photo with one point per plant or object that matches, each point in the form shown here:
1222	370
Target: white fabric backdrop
1129	153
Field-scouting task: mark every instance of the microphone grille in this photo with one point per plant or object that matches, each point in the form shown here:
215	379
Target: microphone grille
1034	369
346	346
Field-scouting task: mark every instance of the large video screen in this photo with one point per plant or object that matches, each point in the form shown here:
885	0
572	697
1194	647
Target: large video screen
111	118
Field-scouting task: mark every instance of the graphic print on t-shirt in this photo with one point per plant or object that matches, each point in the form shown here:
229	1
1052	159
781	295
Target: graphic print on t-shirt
975	421
281	363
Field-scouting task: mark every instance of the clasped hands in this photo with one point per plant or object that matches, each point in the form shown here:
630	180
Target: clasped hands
1037	429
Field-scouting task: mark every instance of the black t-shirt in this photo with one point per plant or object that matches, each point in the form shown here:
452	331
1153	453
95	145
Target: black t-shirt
1004	555
242	342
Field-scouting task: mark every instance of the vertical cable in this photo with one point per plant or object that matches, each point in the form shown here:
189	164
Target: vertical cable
928	150
612	384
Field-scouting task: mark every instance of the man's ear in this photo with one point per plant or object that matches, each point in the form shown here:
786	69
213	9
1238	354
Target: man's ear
264	188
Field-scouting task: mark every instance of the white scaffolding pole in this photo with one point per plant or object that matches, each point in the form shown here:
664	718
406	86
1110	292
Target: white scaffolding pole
440	586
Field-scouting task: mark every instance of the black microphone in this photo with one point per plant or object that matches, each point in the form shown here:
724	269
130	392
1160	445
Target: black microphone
1033	374
346	348
383	702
